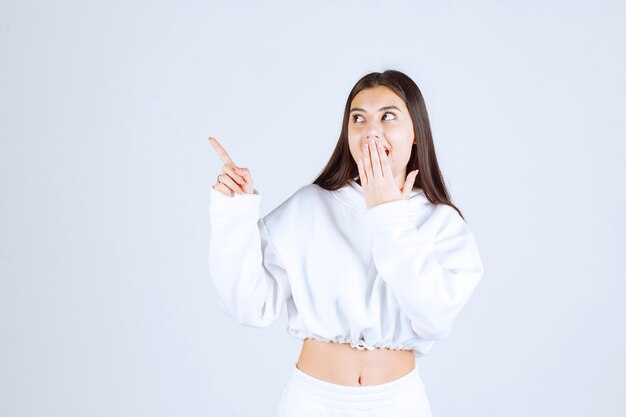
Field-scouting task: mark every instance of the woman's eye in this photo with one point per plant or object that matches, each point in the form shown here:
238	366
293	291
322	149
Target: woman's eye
354	118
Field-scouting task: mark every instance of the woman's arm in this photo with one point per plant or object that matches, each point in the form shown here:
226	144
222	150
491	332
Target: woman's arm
249	276
432	269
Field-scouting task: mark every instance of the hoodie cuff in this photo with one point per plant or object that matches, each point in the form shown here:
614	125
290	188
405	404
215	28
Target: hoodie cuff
238	204
395	218
389	215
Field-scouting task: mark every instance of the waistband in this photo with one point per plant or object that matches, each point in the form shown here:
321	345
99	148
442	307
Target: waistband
409	383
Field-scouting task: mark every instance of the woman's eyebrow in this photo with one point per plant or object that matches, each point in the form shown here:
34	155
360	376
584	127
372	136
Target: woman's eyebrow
381	109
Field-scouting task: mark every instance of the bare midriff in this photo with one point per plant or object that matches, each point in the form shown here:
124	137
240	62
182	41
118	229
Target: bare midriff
340	363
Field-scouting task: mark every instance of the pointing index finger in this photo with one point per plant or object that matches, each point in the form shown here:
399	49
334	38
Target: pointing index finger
221	151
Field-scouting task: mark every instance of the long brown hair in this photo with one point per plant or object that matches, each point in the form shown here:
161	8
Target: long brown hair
341	167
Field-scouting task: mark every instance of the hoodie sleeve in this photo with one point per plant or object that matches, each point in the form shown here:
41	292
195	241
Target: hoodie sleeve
432	269
248	273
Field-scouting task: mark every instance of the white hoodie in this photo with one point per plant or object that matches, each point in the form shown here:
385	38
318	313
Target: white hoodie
395	275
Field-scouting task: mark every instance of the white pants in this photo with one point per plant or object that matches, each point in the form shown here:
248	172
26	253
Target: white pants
307	396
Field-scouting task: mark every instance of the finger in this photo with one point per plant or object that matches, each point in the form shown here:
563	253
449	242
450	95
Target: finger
367	162
230	183
244	172
376	166
231	170
409	183
221	151
362	175
386	163
223	189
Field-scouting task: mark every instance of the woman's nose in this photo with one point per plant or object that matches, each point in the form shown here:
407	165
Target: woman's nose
374	134
374	130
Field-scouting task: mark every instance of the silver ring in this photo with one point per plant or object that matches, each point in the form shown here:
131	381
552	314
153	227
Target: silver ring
218	177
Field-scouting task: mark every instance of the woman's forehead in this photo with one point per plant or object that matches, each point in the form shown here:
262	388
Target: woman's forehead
373	98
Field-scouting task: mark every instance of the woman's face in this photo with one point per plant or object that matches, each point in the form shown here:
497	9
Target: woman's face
378	112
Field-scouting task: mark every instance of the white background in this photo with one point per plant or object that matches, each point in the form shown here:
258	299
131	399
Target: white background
106	304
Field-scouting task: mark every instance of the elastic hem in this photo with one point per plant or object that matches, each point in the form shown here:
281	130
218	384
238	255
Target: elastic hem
347	393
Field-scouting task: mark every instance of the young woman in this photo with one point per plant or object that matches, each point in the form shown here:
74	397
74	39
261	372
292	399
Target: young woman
373	261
